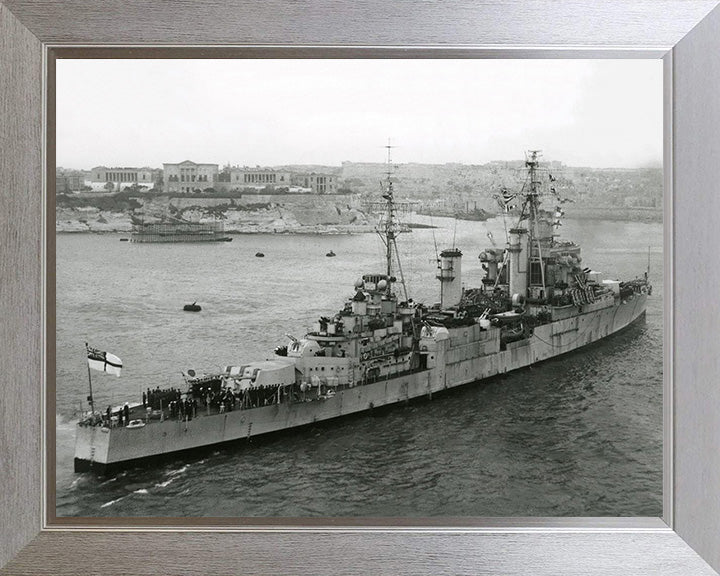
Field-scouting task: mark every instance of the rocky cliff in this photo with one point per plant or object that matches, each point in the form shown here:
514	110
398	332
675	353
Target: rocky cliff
247	214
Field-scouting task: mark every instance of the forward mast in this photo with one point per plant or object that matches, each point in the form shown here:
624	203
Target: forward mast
389	227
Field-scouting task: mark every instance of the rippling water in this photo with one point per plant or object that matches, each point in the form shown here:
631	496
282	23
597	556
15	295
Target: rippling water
579	435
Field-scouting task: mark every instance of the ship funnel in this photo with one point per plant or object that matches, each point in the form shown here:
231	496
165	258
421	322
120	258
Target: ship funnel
518	264
450	278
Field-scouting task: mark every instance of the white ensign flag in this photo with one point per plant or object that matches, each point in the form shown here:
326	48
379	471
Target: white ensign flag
104	361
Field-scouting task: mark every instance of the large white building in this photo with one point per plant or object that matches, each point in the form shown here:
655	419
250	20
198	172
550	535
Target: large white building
238	178
188	176
122	177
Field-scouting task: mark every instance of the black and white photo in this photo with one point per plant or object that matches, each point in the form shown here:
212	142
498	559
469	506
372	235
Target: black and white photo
359	288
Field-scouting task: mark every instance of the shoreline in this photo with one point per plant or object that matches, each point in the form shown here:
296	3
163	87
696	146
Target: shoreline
649	216
283	215
332	232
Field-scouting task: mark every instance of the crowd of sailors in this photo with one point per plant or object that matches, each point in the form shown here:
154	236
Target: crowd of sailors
171	403
183	409
158	399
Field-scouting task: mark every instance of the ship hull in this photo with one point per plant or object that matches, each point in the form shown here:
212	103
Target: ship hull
157	238
468	355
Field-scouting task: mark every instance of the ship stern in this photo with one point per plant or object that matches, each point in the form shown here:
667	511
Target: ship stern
91	448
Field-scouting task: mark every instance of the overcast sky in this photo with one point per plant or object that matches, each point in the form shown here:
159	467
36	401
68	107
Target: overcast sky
601	113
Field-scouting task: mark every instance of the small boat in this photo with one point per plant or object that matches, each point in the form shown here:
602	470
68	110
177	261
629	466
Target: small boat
259	255
124	239
194	307
330	254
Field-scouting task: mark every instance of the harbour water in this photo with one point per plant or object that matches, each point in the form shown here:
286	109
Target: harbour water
578	435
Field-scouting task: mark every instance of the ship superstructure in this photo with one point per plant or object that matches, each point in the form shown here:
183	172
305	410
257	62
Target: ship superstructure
536	301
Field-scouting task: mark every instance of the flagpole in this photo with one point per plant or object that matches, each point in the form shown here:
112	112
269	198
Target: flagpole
92	403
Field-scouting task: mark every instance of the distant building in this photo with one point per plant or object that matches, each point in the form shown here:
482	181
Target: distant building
122	178
188	176
70	181
257	176
318	183
157	177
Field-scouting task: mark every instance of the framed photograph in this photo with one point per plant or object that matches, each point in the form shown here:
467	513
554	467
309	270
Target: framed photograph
300	281
256	521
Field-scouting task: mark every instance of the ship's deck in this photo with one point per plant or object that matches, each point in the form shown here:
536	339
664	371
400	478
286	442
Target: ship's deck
140	412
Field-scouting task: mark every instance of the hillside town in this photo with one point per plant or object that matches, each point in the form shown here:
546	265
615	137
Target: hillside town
293	198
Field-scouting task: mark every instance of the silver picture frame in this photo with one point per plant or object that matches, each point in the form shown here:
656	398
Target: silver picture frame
685	34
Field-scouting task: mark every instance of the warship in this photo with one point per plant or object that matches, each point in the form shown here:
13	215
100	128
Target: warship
172	229
474	214
535	302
